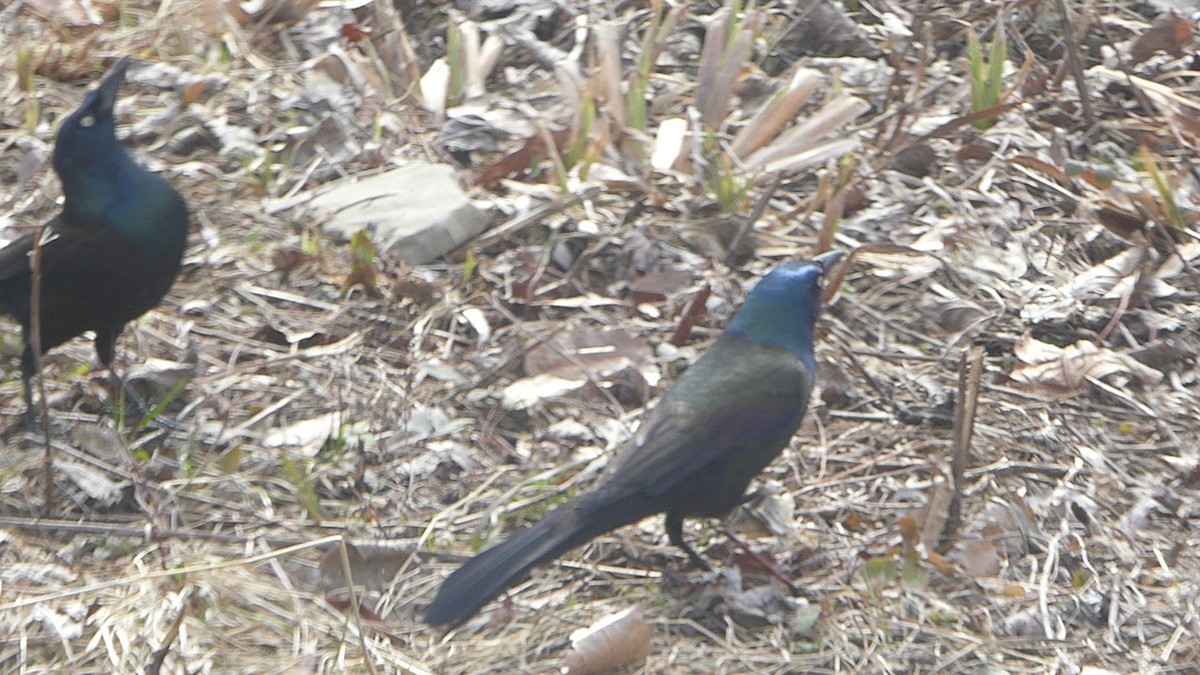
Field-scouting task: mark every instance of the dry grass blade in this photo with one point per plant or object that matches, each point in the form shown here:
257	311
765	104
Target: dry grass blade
397	56
774	115
801	146
721	60
609	76
479	59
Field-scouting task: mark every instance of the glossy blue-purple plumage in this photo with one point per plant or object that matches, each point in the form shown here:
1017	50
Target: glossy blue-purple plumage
721	423
112	253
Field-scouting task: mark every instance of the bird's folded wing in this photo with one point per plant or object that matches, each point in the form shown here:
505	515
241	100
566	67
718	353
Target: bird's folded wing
14	257
64	251
692	429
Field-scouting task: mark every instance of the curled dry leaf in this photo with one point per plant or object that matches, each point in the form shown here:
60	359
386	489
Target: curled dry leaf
1101	278
616	640
155	380
771	511
658	286
435	85
569	361
1001	531
65	622
371	568
93	482
1052	369
1170	33
978	557
954	315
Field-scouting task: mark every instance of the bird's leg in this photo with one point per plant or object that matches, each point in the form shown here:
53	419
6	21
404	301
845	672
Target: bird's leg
675	535
31	417
106	350
122	393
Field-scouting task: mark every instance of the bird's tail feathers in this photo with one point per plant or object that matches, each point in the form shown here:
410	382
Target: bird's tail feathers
488	574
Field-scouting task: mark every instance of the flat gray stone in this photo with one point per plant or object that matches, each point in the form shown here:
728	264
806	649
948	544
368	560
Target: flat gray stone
418	212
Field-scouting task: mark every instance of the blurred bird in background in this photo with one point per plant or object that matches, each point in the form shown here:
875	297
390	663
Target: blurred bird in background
113	252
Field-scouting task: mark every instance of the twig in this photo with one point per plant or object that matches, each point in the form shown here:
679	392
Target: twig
755	213
969	370
35	347
160	654
1072	39
355	604
515	225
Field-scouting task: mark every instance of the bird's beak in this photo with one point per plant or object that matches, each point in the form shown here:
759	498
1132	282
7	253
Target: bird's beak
827	260
106	93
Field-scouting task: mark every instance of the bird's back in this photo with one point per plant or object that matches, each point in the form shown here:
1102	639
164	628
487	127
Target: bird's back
726	418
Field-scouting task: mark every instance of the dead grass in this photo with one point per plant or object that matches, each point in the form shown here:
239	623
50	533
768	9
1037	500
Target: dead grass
205	543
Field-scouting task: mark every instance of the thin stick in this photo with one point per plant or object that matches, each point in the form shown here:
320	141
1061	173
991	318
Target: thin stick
1071	36
35	346
969	371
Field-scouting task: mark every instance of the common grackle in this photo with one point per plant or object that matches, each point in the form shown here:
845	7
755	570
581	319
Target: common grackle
112	253
721	423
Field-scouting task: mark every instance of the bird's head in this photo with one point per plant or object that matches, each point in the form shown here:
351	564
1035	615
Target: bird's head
87	137
783	308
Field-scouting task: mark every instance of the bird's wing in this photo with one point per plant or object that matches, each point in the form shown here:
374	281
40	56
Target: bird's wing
738	399
66	252
14	257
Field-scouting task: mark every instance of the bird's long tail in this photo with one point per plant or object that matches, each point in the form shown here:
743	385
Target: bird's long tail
486	575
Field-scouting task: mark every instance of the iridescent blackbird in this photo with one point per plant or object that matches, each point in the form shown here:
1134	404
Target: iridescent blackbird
112	253
722	422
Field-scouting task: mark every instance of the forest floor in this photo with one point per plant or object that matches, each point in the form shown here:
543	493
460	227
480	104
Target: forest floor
1000	471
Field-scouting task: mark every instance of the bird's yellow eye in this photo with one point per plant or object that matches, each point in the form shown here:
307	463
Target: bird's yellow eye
87	121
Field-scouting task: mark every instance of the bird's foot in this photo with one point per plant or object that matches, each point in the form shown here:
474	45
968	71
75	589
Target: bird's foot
696	559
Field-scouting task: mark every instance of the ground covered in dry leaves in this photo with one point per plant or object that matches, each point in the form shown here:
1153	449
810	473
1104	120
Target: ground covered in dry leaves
1001	466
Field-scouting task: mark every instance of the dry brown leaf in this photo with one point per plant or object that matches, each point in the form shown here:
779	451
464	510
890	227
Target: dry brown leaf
977	557
1170	33
616	640
370	566
658	286
931	518
1104	276
776	113
571	360
1001	531
1007	523
1052	369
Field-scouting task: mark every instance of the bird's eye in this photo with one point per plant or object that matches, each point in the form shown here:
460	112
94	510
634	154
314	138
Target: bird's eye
87	121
